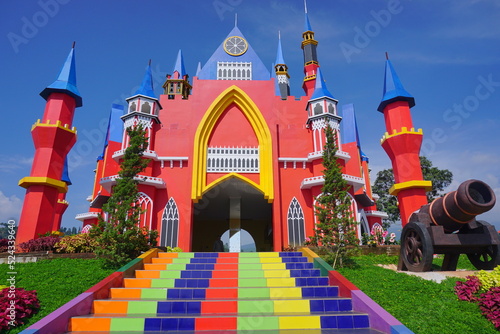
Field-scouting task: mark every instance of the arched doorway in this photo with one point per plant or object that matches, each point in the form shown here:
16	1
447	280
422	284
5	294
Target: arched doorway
234	205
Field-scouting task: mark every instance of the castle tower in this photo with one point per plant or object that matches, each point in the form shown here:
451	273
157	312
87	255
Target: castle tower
282	76
309	45
402	143
177	83
53	137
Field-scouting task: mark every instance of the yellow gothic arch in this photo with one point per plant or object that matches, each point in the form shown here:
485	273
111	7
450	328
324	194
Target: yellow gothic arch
237	96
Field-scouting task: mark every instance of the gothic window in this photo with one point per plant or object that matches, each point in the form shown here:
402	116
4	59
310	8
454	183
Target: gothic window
146	108
318	109
133	107
331	108
296	234
170	225
146	204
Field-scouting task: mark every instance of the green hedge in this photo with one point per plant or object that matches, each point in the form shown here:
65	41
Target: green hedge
425	307
56	281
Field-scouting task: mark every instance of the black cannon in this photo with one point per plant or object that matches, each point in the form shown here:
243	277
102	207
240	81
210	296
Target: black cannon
448	226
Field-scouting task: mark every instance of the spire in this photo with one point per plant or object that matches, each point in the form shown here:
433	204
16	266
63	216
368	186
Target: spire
66	80
320	89
307	24
198	69
146	88
179	65
393	88
279	54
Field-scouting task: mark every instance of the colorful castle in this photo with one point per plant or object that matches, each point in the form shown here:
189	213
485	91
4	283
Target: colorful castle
230	151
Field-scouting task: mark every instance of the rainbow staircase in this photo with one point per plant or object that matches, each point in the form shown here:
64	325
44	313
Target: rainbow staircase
225	293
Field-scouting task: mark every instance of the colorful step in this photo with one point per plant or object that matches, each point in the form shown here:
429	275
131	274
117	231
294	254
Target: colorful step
223	292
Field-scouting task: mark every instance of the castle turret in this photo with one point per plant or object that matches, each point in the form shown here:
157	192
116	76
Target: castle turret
322	108
282	76
309	45
143	107
177	83
402	143
53	137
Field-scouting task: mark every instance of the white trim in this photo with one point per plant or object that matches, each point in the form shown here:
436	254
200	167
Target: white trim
109	181
354	181
87	215
375	213
150	154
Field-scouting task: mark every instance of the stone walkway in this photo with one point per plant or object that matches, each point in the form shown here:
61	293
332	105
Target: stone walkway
436	276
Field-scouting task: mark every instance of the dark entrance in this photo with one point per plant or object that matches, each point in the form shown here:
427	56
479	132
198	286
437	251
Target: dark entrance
232	205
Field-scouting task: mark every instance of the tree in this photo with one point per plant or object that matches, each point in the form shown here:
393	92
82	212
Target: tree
120	238
335	228
441	178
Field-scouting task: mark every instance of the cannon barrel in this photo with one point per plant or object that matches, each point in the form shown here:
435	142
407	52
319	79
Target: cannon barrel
461	206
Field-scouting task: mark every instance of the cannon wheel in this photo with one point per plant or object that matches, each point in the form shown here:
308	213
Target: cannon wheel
489	258
416	247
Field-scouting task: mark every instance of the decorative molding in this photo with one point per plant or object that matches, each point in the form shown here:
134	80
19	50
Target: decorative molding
375	213
404	131
233	70
87	215
150	154
233	159
354	181
109	181
58	124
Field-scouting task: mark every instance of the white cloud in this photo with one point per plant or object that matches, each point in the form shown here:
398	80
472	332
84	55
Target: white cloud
9	164
10	207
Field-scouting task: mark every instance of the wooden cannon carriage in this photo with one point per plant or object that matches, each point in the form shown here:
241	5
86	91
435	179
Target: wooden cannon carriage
448	226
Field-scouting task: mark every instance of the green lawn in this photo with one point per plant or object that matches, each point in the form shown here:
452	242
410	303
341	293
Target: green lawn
423	306
56	281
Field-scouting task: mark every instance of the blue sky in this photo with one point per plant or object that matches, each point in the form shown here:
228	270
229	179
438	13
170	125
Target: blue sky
447	54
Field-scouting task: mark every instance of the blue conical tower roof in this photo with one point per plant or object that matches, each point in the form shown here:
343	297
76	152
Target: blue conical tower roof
66	81
146	88
393	89
179	65
279	53
320	89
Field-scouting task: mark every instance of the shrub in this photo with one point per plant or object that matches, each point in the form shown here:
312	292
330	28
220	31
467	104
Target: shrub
39	245
489	303
78	243
489	279
17	305
468	290
4	245
489	300
174	250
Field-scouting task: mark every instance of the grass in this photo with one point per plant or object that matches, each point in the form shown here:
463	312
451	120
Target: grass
56	281
425	307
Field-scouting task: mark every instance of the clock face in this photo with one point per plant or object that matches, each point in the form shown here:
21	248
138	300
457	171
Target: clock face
235	45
